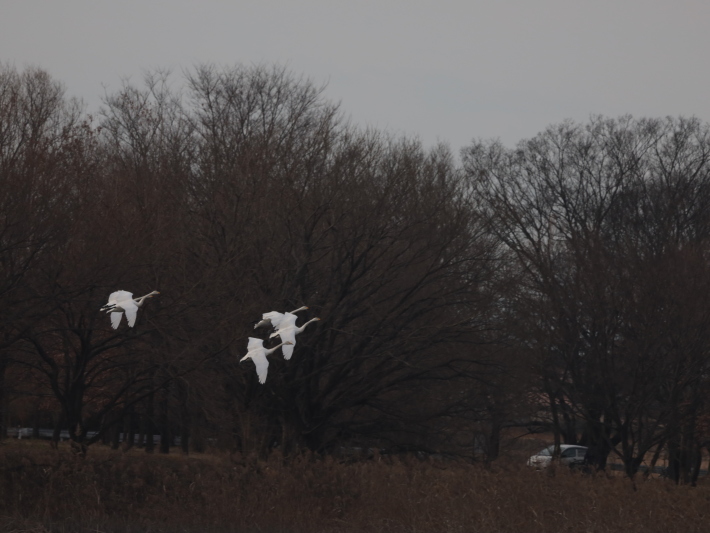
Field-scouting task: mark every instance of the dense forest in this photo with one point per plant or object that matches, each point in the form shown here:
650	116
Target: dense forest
561	285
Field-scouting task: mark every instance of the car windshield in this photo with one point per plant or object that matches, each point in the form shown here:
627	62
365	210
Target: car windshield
569	452
545	452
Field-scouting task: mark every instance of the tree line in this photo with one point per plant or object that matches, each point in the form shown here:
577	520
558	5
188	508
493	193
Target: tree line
556	285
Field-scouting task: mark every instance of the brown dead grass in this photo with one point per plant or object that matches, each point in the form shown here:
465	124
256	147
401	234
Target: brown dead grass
42	491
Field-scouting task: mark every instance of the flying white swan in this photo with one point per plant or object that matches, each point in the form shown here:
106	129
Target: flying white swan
120	302
274	318
288	332
257	353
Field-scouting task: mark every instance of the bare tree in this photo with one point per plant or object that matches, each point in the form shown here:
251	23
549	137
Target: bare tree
595	214
376	235
41	134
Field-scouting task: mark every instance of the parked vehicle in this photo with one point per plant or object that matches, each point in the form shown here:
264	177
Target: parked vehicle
570	455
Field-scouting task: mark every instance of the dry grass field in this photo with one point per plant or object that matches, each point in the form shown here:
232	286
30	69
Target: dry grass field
42	490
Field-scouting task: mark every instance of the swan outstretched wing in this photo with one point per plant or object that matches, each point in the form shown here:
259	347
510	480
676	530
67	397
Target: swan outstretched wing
274	317
287	350
254	343
288	320
115	320
115	299
262	366
287	335
120	296
258	355
131	309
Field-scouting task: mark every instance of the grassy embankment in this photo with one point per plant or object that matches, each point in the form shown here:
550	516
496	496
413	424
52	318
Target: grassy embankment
42	490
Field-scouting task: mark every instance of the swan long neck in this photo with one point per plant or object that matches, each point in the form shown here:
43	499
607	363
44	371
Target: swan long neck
272	350
304	325
139	301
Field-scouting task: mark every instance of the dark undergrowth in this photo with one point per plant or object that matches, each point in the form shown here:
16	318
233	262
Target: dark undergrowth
48	491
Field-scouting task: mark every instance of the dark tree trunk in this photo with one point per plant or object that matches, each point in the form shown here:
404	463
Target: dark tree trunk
599	446
4	419
163	422
555	423
673	471
148	424
140	421
57	433
570	427
696	464
683	454
198	432
184	417
493	440
654	460
77	439
35	424
116	434
290	436
4	411
128	431
106	437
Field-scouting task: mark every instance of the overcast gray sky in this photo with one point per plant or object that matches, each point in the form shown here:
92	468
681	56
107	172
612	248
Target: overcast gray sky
445	70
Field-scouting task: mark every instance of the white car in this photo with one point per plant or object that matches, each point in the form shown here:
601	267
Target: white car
570	455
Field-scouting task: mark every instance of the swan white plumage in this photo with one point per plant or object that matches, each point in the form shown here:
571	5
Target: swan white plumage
288	321
257	353
120	302
274	318
288	332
